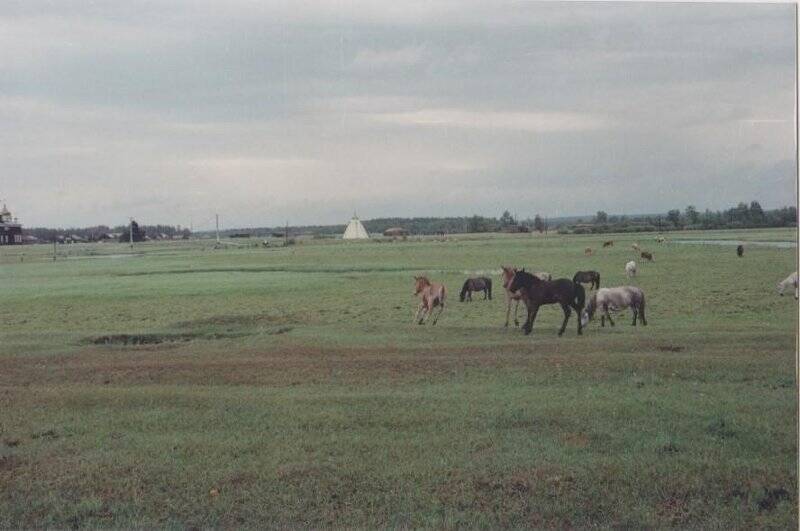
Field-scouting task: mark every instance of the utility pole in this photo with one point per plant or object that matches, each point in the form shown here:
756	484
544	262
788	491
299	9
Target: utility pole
217	215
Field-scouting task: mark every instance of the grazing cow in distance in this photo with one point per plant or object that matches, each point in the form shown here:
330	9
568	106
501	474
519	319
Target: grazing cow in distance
740	250
647	256
630	269
791	280
588	251
609	243
609	300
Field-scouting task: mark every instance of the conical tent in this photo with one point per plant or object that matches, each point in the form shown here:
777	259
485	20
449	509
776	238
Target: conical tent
355	230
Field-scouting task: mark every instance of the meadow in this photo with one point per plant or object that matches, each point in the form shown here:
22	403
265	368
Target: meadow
178	385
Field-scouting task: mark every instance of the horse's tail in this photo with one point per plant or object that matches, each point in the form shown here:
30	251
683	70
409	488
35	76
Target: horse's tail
575	278
598	280
580	296
489	287
463	290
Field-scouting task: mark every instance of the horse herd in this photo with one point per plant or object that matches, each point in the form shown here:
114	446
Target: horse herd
535	289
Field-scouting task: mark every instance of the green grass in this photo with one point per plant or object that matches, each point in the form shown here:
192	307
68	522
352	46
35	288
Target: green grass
288	387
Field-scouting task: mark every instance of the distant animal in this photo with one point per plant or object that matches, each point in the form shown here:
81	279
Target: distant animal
635	247
592	277
660	239
791	280
647	256
609	243
588	251
476	284
630	268
536	292
739	250
433	295
609	300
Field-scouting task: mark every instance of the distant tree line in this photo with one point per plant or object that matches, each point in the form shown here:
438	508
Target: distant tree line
742	216
104	232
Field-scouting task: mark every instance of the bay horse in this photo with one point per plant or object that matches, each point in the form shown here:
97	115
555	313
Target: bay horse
476	284
536	292
432	294
609	300
740	250
609	243
593	277
647	256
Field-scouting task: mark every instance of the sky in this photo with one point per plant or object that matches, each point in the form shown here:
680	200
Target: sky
301	111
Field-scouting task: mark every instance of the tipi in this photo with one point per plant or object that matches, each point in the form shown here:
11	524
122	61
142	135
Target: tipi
355	230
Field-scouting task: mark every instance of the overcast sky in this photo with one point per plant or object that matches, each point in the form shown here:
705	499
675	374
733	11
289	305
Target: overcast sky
267	111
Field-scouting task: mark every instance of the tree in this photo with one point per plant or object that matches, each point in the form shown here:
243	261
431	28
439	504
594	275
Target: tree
692	215
138	235
477	224
756	213
601	217
674	216
507	219
538	224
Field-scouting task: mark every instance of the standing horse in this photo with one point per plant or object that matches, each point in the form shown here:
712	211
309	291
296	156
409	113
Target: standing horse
432	294
477	284
647	256
630	269
612	300
740	250
588	251
593	277
506	276
536	292
609	243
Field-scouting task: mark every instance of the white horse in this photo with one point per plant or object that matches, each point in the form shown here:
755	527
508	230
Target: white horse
630	268
791	280
609	300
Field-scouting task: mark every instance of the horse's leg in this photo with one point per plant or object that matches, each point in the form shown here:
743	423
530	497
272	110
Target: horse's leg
603	319
641	315
528	327
567	312
417	318
516	308
439	313
608	314
578	318
635	314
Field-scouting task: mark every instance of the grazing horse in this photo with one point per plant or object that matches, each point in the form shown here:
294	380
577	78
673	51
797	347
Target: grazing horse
740	250
660	239
613	300
791	280
630	269
536	292
636	247
647	256
609	243
593	277
432	294
588	251
477	284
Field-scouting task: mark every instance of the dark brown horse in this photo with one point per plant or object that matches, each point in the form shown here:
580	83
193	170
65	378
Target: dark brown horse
592	277
740	251
476	284
609	243
647	256
536	292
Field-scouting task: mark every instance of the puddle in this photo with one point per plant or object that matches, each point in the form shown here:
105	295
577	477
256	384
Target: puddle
780	244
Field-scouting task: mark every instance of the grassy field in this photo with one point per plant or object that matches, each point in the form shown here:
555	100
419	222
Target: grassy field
181	386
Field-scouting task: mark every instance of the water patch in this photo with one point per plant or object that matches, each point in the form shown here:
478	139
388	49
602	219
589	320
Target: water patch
778	244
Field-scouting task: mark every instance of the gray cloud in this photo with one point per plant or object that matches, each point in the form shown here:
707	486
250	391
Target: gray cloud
267	111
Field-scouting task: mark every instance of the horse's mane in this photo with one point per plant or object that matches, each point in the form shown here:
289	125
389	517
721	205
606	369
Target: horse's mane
465	286
527	279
